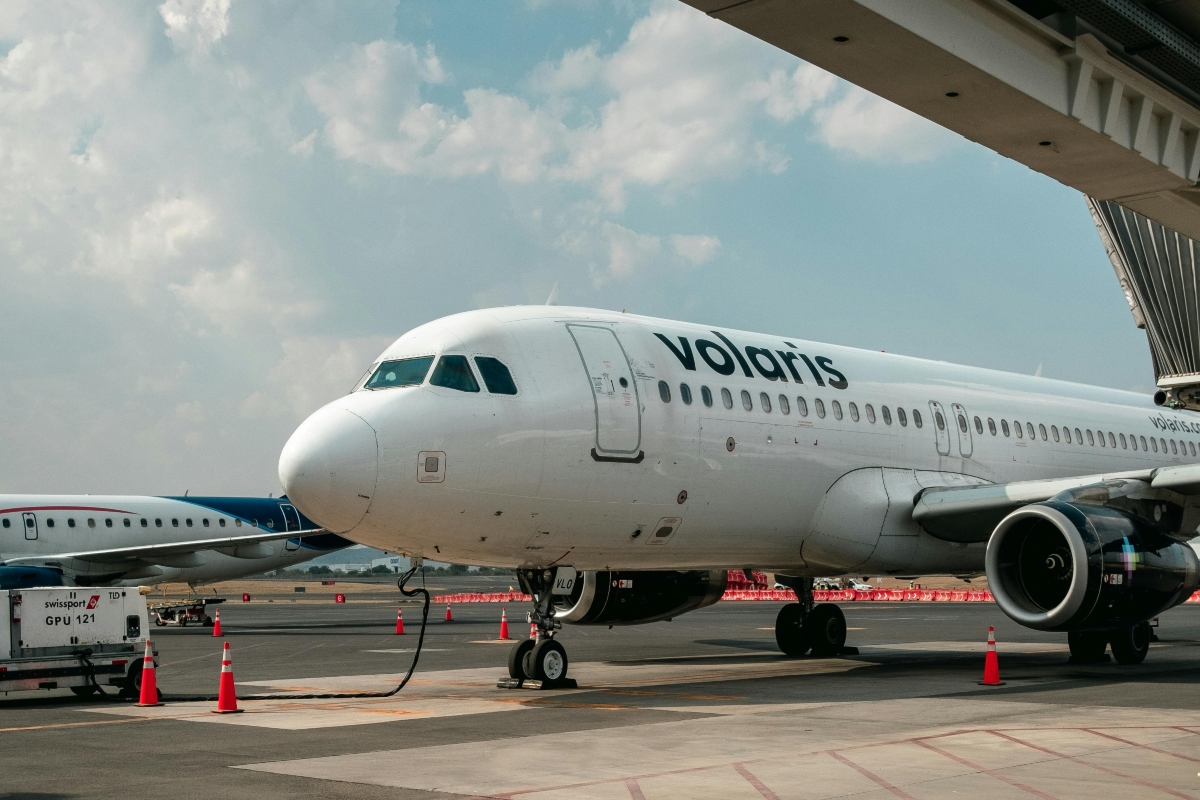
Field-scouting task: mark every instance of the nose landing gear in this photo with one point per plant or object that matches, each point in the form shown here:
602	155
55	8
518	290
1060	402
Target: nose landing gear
542	659
803	627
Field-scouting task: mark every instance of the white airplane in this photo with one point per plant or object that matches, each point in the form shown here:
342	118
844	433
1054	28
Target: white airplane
131	541
622	463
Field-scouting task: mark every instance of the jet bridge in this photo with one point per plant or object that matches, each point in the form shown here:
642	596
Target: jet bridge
1101	95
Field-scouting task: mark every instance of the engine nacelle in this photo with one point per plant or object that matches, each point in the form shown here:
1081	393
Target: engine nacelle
632	598
1059	566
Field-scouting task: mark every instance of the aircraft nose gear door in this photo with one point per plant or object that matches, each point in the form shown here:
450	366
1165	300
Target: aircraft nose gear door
618	408
31	530
940	428
963	424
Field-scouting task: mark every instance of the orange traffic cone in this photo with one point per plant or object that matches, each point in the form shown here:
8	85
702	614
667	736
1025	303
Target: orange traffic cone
399	621
217	622
227	694
503	624
449	616
149	693
532	630
991	664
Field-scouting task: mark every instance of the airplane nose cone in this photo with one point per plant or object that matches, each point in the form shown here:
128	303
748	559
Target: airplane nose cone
329	468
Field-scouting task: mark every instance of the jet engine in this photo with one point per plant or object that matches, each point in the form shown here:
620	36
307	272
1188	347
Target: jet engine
632	598
1062	566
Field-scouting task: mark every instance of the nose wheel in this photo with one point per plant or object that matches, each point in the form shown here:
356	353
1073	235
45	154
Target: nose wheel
542	659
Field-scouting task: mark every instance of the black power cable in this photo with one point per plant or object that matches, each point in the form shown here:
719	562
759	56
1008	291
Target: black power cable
400	584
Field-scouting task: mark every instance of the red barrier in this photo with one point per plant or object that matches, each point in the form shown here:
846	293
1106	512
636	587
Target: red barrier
785	595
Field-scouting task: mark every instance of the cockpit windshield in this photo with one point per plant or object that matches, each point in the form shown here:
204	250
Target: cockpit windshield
404	372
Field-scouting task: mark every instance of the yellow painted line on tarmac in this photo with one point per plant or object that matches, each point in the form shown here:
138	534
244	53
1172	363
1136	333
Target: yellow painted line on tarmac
79	724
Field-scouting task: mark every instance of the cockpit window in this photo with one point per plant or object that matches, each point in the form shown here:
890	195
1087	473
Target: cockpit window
454	372
405	372
496	376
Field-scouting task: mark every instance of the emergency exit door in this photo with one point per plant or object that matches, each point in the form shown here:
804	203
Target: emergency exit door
614	392
940	427
291	522
31	528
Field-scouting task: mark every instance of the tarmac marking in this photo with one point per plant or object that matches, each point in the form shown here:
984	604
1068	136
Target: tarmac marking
52	726
897	791
985	771
758	785
1142	746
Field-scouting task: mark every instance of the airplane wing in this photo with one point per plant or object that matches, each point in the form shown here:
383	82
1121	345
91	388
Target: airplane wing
971	513
231	545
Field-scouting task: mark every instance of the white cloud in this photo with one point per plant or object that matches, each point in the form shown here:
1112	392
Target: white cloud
195	25
786	97
152	240
870	127
628	250
239	299
696	250
312	371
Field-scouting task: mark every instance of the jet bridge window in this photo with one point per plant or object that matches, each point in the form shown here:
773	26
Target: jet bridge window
496	376
403	372
664	391
454	372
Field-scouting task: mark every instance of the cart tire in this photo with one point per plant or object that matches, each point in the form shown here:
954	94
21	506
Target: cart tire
208	622
132	686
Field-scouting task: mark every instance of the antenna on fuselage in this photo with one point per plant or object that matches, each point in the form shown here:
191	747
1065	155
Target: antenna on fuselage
552	300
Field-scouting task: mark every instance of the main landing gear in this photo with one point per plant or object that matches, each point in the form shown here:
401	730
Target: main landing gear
1129	645
803	627
542	659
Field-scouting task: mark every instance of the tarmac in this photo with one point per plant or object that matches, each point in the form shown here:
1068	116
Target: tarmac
702	706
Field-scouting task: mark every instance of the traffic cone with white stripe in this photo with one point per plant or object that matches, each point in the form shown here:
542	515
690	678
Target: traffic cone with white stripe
449	616
149	693
991	664
227	694
217	622
503	624
399	621
532	630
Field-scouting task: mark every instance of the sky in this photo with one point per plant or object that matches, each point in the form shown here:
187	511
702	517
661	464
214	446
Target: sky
214	214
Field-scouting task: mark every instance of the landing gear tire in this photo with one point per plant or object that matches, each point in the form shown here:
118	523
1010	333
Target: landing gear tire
825	630
517	658
789	631
1087	647
549	662
1130	645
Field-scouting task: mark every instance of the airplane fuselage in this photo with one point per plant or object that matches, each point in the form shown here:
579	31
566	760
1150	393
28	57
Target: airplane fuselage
640	443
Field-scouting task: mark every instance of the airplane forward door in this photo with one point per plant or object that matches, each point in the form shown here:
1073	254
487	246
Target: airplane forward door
618	408
291	522
939	427
31	526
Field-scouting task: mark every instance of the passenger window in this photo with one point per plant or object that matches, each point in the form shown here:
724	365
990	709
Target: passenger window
1154	444
1067	434
1163	442
992	426
837	410
1018	430
1100	436
496	376
664	391
870	413
1004	426
962	423
6	523
1112	440
726	398
70	522
747	403
127	522
1091	440
978	425
1192	447
454	372
1124	446
1029	428
764	401
145	522
204	522
941	422
1078	436
174	523
221	522
853	412
108	522
820	404
92	522
50	522
917	418
158	523
237	523
784	406
706	396
1133	441
802	406
1054	432
1174	450
887	415
1042	431
404	372
271	523
902	417
685	394
188	522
